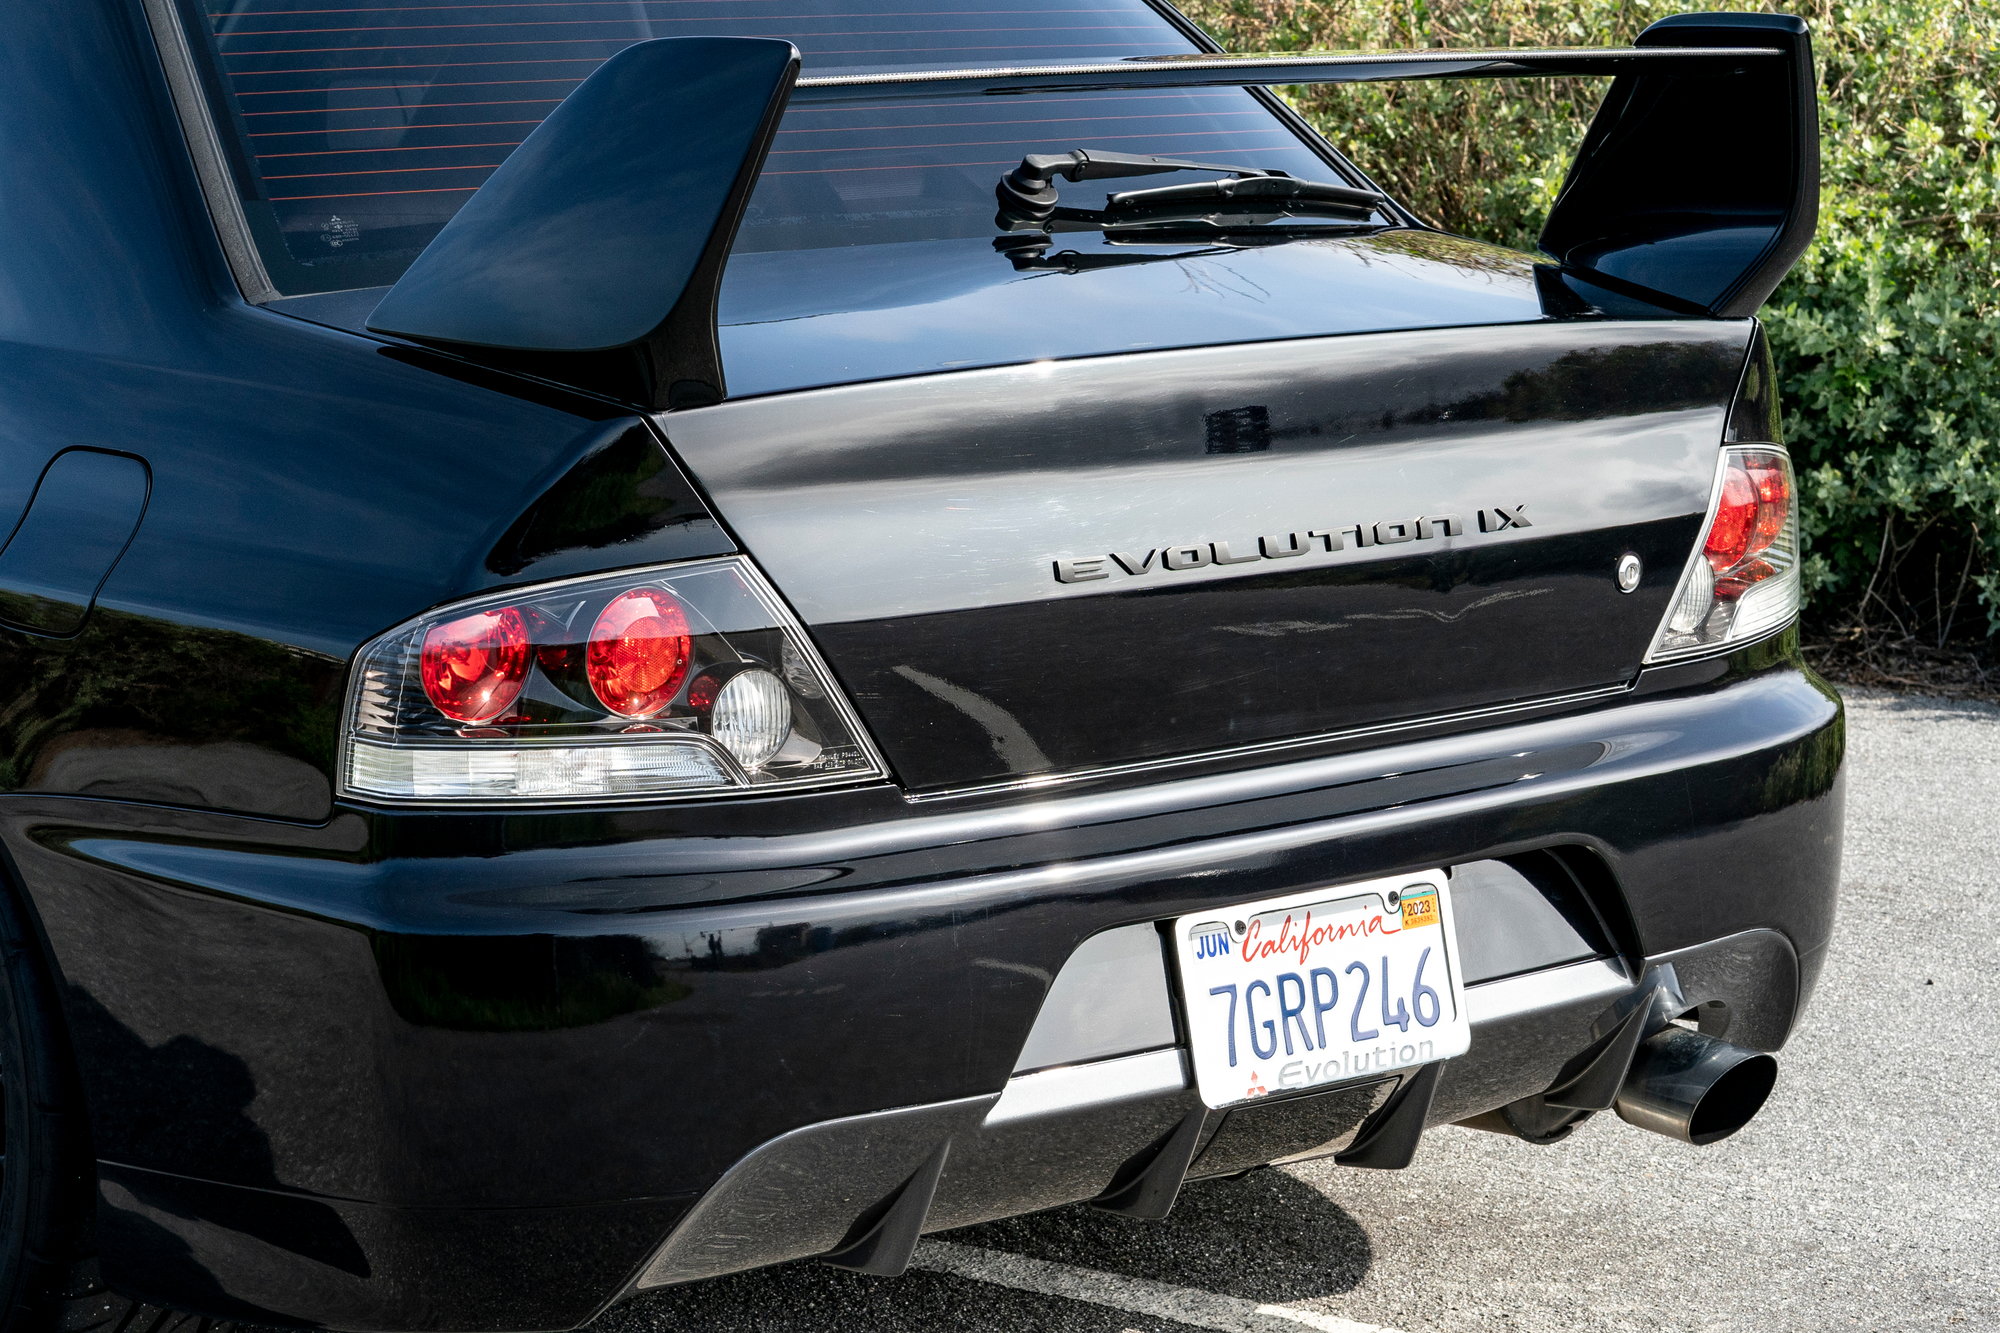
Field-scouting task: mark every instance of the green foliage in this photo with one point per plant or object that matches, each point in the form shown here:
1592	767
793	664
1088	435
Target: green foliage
1888	333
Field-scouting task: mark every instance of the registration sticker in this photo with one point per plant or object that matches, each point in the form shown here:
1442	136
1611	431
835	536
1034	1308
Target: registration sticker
1327	986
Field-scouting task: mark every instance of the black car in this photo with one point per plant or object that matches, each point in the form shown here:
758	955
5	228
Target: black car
622	663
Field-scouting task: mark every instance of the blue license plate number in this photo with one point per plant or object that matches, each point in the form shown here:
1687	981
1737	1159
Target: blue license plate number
1331	986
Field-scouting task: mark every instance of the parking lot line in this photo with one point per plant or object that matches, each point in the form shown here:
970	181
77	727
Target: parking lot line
1132	1295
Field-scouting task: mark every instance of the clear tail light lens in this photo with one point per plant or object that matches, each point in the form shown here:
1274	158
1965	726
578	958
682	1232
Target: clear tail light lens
1744	581
686	680
750	714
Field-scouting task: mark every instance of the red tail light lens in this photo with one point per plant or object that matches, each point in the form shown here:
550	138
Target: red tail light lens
639	652
1735	518
473	667
1750	515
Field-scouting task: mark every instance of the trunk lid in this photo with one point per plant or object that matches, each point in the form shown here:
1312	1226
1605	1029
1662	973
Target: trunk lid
1073	565
793	319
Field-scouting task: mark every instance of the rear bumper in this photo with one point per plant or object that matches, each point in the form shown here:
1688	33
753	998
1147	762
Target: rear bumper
487	1071
1100	1130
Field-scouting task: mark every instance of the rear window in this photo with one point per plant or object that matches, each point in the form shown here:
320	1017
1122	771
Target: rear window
359	130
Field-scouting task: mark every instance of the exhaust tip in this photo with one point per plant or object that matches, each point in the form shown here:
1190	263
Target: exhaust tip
1694	1088
1733	1099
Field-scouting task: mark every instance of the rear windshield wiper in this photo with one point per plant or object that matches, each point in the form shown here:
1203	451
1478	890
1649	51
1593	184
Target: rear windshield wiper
1274	219
1235	226
1273	191
1027	194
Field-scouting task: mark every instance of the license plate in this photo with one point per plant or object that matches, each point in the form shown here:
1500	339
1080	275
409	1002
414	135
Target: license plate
1321	987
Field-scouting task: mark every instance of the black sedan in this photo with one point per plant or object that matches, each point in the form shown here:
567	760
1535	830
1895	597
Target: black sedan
623	661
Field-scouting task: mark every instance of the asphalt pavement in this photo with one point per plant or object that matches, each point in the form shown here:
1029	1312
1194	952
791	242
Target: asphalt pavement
1863	1197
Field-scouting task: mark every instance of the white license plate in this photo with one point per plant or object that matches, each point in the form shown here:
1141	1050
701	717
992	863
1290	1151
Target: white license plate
1326	986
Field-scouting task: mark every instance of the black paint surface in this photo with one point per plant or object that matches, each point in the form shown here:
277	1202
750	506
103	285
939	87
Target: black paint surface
412	1070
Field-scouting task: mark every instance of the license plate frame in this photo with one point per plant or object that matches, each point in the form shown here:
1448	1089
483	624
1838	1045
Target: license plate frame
1311	952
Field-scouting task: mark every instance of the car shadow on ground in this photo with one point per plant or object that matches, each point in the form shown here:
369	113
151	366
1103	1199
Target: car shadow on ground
1307	1247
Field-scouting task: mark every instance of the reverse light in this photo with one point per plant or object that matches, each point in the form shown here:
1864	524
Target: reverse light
683	680
751	716
1744	581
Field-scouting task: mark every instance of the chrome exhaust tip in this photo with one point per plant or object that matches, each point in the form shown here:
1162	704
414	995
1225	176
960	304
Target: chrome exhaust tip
1694	1088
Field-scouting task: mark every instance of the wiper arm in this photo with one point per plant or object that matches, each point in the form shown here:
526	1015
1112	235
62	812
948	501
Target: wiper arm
1027	194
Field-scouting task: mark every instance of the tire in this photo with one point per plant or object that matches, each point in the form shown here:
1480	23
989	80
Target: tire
85	1305
49	1279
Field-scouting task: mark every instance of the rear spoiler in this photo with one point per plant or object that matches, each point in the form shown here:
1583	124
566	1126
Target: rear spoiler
597	247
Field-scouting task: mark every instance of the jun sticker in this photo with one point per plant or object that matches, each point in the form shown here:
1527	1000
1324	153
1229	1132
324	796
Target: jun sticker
1211	939
1420	906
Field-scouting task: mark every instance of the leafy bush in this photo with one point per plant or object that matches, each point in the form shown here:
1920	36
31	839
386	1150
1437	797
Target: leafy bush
1887	334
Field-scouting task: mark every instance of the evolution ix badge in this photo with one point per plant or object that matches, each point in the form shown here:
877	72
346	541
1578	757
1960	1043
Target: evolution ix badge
1283	545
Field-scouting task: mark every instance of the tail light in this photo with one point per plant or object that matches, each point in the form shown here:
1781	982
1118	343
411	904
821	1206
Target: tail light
639	651
474	666
686	680
1743	582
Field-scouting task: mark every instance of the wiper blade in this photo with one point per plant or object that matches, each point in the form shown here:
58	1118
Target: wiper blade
1262	229
1027	194
1273	192
1226	220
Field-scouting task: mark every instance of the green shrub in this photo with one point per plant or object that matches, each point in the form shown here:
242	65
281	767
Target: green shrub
1887	334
